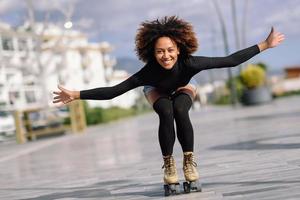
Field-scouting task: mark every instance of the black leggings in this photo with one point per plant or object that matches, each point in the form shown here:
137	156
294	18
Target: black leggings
177	108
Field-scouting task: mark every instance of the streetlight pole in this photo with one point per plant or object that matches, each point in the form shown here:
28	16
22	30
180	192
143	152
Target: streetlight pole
232	85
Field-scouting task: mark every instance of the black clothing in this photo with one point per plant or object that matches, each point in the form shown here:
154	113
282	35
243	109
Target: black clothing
167	81
173	105
182	103
177	107
166	133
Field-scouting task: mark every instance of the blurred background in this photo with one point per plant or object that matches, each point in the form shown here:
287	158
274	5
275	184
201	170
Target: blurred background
83	44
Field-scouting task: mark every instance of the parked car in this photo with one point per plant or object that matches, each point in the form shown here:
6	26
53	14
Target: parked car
62	112
7	123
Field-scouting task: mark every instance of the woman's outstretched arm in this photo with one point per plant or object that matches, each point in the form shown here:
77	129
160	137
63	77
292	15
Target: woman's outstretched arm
199	63
64	96
105	93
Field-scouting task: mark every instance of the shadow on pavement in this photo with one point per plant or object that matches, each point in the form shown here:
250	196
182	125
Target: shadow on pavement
271	116
264	186
262	144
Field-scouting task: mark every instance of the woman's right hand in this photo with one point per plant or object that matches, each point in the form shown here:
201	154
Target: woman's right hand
65	96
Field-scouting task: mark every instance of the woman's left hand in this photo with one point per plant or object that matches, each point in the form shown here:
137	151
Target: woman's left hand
274	38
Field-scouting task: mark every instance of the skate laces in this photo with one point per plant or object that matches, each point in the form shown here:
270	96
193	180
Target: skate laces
189	163
169	165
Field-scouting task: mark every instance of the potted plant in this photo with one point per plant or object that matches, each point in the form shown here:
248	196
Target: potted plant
253	78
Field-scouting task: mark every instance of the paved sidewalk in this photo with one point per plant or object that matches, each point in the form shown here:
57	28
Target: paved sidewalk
242	153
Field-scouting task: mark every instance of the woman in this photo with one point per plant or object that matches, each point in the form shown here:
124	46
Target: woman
166	46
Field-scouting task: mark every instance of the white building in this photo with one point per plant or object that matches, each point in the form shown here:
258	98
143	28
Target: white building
125	100
17	68
34	63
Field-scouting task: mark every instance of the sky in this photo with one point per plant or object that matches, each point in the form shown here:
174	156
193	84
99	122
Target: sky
117	21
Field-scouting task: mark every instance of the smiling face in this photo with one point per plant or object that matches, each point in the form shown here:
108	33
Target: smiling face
166	52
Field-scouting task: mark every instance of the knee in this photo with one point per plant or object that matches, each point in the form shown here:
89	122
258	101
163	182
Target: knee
163	107
182	104
180	109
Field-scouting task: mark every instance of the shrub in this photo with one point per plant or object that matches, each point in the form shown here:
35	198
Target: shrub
238	85
223	100
101	115
253	76
262	65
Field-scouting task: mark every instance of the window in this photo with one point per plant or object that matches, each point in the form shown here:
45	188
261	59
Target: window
22	43
13	97
30	97
7	44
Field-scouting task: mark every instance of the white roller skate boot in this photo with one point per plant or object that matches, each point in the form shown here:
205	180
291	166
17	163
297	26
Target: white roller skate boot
170	176
191	174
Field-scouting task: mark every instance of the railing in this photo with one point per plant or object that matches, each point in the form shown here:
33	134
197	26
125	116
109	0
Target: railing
31	123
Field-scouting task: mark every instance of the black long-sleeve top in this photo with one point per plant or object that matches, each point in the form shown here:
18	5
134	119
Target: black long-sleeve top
168	80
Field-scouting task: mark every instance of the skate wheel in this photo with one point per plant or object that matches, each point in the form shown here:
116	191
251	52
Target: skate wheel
196	186
177	188
186	187
172	189
167	191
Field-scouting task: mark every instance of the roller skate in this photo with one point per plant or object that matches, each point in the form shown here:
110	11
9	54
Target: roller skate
170	176
191	174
